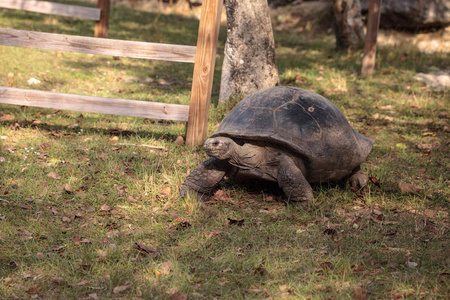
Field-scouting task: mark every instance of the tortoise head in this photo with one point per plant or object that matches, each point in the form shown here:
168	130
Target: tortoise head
219	147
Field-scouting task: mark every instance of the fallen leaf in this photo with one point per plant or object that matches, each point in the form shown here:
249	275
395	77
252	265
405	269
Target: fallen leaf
358	268
113	234
85	241
73	126
222	195
86	267
58	248
6	118
102	255
178	297
13	264
54	175
374	181
152	253
238	222
121	288
299	79
68	188
34	289
45	146
430	228
330	231
409	188
82	283
166	267
260	270
103	156
179	141
58	280
93	296
428	133
165	191
131	199
359	294
121	190
162	81
104	207
182	225
255	290
326	266
425	147
421	170
25	232
401	146
173	290
138	292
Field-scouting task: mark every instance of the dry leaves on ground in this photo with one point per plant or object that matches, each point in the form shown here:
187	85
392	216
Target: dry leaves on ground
409	188
145	250
54	175
122	288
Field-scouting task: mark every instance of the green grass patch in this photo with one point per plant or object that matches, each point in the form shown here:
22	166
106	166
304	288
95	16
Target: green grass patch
89	203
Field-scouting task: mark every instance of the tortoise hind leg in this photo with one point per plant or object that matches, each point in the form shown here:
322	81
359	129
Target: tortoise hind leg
358	178
294	184
204	178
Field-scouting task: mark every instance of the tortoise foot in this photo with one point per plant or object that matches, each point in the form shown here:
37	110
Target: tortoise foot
358	179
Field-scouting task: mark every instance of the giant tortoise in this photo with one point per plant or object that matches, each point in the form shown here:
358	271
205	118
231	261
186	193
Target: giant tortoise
284	134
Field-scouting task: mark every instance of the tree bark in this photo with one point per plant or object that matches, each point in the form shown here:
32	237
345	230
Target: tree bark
249	64
348	24
370	44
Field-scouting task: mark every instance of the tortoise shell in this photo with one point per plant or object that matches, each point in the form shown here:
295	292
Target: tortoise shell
302	122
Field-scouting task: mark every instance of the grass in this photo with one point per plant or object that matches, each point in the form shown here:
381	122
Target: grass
87	211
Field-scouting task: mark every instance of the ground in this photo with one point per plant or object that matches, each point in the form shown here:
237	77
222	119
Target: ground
90	206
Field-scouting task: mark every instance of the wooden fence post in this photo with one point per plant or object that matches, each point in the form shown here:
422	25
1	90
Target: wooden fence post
205	58
370	44
101	26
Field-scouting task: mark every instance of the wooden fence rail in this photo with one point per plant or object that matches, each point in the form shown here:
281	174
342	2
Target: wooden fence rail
52	8
113	106
203	56
90	45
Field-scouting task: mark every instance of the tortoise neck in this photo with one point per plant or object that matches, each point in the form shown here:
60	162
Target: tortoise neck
246	156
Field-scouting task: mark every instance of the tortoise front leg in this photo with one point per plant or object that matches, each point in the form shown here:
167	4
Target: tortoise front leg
358	178
293	183
205	177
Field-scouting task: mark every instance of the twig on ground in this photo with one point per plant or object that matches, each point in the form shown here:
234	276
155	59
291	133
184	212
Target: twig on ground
141	145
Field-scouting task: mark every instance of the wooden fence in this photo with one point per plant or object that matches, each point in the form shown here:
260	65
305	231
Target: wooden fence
203	56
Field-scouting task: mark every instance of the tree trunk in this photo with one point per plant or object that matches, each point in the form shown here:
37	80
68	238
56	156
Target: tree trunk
249	64
348	24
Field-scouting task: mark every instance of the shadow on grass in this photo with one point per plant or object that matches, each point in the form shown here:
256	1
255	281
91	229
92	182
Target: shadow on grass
307	53
61	132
